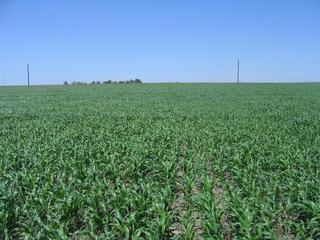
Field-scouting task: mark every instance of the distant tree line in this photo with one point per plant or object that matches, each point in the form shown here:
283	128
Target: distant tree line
137	80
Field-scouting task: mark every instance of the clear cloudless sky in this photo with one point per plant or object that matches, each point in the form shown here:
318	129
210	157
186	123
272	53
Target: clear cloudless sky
159	41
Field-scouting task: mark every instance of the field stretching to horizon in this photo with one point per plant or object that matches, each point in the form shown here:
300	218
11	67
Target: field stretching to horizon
160	161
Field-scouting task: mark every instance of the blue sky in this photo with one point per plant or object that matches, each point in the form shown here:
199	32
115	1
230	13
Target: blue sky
159	41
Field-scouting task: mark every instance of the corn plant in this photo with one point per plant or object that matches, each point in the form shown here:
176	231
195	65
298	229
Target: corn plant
160	161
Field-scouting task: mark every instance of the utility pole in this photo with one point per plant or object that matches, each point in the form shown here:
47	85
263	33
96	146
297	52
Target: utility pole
238	72
28	74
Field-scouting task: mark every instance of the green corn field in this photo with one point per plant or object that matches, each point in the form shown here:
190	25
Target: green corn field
160	161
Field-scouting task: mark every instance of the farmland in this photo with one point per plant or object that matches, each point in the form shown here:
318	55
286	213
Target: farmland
160	161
